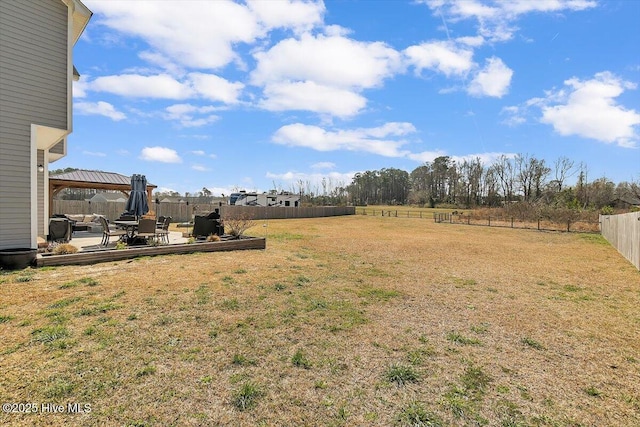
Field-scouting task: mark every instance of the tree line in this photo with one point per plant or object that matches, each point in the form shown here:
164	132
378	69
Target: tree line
470	183
465	184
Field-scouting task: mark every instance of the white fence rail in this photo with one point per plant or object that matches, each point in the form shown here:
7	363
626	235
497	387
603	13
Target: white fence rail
623	232
181	212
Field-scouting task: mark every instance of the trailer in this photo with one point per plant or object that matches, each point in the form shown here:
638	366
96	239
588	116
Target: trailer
272	199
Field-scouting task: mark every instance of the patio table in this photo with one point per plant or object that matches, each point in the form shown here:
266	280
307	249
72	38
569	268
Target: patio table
129	226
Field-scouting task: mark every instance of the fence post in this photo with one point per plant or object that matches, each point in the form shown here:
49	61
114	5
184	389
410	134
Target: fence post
511	222
489	221
568	225
538	224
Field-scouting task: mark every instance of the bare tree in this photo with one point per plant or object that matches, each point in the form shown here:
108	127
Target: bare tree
505	172
563	169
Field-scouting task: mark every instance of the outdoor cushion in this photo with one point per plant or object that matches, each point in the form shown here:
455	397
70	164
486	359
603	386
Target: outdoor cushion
75	217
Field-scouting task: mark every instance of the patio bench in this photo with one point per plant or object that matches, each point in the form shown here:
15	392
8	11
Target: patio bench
81	222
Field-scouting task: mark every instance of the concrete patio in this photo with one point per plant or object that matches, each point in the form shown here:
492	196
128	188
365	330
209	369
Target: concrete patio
90	241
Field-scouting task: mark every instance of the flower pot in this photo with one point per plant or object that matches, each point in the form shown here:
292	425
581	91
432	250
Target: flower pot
14	259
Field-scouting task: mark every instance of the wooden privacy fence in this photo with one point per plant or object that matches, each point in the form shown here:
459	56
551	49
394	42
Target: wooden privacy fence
623	232
181	212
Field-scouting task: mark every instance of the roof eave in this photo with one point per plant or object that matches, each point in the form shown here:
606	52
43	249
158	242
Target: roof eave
81	17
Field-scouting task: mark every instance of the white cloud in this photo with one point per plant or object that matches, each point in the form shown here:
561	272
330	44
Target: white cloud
162	25
80	87
519	7
200	168
186	114
384	140
99	108
201	153
426	156
162	61
473	41
298	15
216	88
160	154
219	25
515	115
313	97
138	86
587	108
493	80
334	61
441	56
323	74
496	17
164	86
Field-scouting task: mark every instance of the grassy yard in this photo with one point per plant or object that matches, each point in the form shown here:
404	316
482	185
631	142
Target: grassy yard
354	321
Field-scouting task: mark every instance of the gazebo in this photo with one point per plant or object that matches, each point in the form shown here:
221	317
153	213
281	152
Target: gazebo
97	180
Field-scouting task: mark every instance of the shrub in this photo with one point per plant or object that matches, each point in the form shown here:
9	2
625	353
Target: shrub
213	238
65	249
237	224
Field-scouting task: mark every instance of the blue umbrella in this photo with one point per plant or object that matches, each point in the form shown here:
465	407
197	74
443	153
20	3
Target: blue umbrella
137	204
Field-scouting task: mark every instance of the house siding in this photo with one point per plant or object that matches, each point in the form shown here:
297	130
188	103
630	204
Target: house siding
33	90
58	148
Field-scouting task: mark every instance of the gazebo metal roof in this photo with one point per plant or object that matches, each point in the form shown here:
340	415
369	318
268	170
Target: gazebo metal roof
98	180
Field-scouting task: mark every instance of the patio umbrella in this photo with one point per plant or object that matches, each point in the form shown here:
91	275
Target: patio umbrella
137	204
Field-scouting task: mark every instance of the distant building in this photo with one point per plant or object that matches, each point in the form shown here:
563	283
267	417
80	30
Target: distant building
283	199
108	197
171	199
625	202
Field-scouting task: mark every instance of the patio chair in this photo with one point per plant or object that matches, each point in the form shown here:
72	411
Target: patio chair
146	229
107	232
163	231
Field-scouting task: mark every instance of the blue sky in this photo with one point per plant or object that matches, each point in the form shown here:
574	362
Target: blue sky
264	94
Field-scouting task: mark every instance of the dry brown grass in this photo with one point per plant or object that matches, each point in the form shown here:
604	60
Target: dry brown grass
490	326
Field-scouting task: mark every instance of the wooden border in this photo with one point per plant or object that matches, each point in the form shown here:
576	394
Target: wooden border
117	255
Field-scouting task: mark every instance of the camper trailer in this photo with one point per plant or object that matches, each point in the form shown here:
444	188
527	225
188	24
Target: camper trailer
283	199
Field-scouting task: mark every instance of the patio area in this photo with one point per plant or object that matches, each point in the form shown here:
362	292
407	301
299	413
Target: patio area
91	251
90	241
